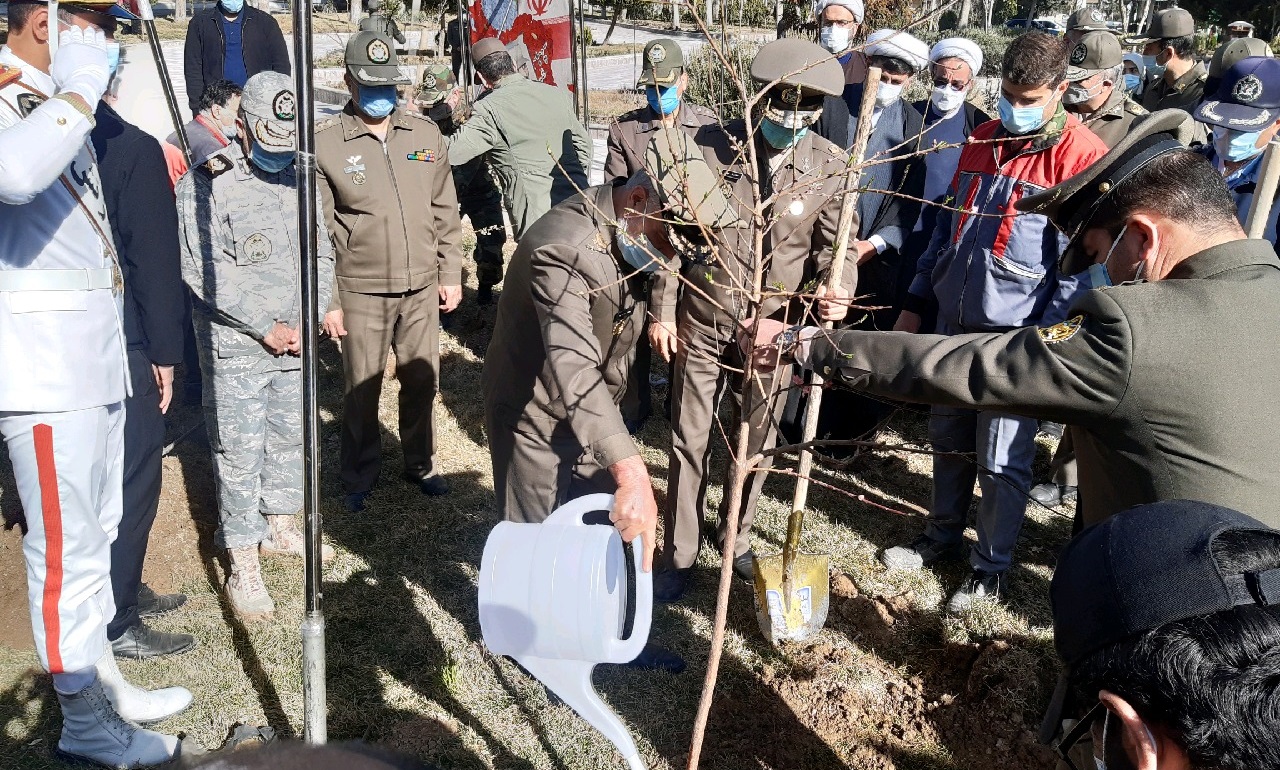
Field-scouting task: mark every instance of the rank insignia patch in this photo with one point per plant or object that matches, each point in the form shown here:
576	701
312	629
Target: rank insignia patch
428	156
1063	331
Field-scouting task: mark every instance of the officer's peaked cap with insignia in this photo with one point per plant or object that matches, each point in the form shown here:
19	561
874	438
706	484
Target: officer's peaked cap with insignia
688	189
806	74
270	109
371	60
1072	205
1248	98
119	10
1095	51
486	47
1167	24
1087	19
663	63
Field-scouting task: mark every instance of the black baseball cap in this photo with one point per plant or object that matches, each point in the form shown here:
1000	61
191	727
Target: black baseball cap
1147	567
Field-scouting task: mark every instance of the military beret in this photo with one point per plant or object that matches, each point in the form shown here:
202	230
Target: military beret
371	60
1248	98
485	47
663	63
1087	19
687	187
1095	51
270	110
1169	23
1071	205
806	73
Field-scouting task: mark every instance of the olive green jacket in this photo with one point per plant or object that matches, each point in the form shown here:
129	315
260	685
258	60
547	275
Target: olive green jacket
533	142
1170	387
1111	121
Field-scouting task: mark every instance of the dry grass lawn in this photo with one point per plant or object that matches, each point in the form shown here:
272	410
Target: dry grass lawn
892	682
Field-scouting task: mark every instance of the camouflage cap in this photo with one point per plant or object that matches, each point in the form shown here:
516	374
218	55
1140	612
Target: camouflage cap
270	108
1095	51
371	60
806	73
687	187
663	63
437	82
1169	23
1087	20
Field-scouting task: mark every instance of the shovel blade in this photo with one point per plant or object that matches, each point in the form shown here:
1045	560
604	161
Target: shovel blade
809	600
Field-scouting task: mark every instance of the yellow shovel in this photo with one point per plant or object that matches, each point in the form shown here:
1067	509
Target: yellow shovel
793	589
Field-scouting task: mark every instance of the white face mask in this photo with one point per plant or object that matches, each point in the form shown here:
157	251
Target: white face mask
946	99
887	94
834	39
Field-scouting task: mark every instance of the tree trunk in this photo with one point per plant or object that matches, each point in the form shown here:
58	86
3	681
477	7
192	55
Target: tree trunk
357	10
966	8
618	10
180	10
415	14
1031	14
675	14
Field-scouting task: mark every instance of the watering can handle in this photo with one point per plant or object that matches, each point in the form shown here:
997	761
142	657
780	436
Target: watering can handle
627	650
570	514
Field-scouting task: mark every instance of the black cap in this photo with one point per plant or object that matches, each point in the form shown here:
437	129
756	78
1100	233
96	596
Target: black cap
1147	567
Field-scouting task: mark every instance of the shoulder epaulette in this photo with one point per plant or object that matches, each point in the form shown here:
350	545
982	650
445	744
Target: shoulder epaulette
215	166
8	74
327	123
1133	108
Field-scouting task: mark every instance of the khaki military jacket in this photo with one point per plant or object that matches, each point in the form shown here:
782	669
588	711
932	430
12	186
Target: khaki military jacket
533	142
391	208
1185	93
632	132
238	234
565	334
1171	387
1111	121
800	233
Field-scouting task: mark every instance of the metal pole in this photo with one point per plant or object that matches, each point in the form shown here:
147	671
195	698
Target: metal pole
582	27
170	98
313	653
575	31
1264	194
464	23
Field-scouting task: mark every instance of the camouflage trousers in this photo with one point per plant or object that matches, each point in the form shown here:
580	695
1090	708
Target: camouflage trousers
480	201
253	414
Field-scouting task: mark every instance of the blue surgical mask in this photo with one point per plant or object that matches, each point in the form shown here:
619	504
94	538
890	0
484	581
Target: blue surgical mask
1236	146
1131	82
663	101
1099	276
113	57
637	251
1153	70
377	101
1021	120
231	6
780	137
270	162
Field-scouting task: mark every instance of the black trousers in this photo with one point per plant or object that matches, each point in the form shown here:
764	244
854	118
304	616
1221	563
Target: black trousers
143	445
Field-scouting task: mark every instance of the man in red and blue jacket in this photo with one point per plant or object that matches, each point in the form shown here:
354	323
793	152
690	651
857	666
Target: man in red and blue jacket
989	268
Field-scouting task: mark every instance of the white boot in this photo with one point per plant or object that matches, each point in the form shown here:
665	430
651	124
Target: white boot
93	732
134	703
245	589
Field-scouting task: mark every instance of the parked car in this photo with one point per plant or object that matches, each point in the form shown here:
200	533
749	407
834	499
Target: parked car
1044	25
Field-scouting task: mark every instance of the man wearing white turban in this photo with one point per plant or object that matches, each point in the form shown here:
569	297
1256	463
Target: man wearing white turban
838	24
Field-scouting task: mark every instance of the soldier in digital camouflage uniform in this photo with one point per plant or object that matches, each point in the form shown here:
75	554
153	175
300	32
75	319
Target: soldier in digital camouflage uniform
240	258
478	196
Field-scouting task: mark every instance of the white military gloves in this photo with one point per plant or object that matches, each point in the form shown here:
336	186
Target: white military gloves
80	65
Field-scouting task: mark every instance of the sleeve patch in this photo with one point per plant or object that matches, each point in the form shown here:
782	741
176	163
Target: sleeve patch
1063	331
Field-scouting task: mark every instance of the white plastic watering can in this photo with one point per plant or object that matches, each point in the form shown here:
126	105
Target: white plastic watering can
553	596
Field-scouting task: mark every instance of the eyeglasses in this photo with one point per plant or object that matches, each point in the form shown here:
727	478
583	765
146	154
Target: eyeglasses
841	24
1077	733
954	85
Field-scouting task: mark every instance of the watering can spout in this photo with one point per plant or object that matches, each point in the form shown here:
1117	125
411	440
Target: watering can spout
571	681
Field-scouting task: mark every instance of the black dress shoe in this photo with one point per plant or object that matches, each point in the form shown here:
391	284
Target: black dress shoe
744	566
142	641
655	658
355	502
669	585
1052	495
151	603
431	486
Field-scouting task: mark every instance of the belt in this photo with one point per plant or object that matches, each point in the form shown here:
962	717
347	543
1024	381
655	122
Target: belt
59	280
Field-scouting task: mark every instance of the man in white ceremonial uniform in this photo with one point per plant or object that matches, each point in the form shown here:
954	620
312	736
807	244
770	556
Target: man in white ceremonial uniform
63	355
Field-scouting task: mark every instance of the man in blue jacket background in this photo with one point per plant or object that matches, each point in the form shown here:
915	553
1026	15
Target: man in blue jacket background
231	41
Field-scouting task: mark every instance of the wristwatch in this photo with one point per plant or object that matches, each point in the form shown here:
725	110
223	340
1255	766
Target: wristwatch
788	340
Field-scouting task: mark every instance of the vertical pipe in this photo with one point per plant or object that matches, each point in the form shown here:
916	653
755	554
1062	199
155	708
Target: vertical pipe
467	75
315	729
575	31
166	84
582	26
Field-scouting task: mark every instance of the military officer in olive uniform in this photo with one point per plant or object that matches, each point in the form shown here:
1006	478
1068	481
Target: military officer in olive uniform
389	203
664	81
1168	48
1095	94
478	197
806	173
237	214
566	330
1166	371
